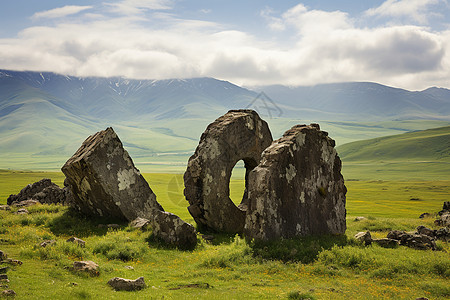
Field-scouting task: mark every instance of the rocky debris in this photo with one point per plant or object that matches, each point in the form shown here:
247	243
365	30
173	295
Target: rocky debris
5	207
411	240
105	182
86	266
26	203
22	211
359	219
426	231
14	262
298	188
364	237
444	219
237	135
421	298
44	191
140	223
77	241
386	242
3	270
443	234
121	284
424	215
3	277
3	255
8	293
173	231
47	243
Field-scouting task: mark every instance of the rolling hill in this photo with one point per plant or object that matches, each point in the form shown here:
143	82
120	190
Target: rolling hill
44	117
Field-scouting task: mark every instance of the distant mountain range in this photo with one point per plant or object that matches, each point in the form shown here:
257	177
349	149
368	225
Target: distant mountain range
46	116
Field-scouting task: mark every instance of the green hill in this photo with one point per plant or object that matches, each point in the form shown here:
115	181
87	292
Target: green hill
431	145
419	155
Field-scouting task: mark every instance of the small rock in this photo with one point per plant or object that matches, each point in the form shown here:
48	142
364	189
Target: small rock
364	237
77	241
3	255
422	298
14	262
25	203
22	211
8	293
424	215
5	207
86	266
358	219
140	223
129	268
121	284
386	243
426	231
47	243
445	219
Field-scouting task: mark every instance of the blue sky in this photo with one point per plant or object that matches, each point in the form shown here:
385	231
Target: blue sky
402	43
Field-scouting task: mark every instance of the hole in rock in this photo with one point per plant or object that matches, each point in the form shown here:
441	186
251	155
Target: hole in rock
237	183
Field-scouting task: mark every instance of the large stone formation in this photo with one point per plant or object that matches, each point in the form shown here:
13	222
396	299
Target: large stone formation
297	189
105	182
237	135
44	191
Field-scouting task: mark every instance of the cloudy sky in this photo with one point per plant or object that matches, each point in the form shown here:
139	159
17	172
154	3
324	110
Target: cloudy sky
401	43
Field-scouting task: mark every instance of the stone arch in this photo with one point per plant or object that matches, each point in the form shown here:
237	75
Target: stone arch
237	135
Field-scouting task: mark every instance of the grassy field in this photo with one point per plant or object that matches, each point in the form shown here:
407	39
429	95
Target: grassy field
229	268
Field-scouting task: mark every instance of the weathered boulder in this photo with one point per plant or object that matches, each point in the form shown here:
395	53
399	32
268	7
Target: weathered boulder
77	241
426	231
297	189
86	266
364	237
44	191
172	230
121	284
105	182
237	135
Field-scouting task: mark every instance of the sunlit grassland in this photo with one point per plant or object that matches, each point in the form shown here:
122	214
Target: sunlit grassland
229	268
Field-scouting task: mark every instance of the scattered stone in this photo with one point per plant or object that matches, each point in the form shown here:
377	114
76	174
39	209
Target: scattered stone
444	219
77	241
129	268
237	135
140	223
47	243
364	237
358	219
8	293
26	203
298	188
22	211
386	243
86	266
174	231
426	231
105	182
121	284
113	226
443	234
424	215
3	255
44	191
422	298
415	241
14	262
5	207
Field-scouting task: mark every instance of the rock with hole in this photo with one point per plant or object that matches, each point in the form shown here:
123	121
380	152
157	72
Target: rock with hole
105	182
297	189
237	135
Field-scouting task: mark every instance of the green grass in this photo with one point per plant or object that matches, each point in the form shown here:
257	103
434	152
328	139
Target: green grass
229	268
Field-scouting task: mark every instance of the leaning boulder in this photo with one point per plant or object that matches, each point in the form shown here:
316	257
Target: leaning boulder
173	231
237	135
297	189
121	284
105	182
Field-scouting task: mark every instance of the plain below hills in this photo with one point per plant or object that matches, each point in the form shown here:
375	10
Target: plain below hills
44	117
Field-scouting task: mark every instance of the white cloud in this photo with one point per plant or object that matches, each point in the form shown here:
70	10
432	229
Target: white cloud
133	7
325	47
416	10
60	12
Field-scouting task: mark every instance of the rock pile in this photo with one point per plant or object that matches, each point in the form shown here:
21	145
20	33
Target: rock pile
44	191
237	135
297	189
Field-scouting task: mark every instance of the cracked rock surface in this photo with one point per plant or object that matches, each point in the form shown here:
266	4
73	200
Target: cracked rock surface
237	135
297	189
105	182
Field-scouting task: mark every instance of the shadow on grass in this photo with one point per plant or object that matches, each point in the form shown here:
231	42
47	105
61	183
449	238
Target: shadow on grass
302	249
76	224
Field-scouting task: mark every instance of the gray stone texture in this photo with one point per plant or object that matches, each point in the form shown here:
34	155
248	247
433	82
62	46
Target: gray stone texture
44	191
105	182
172	230
237	135
297	189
